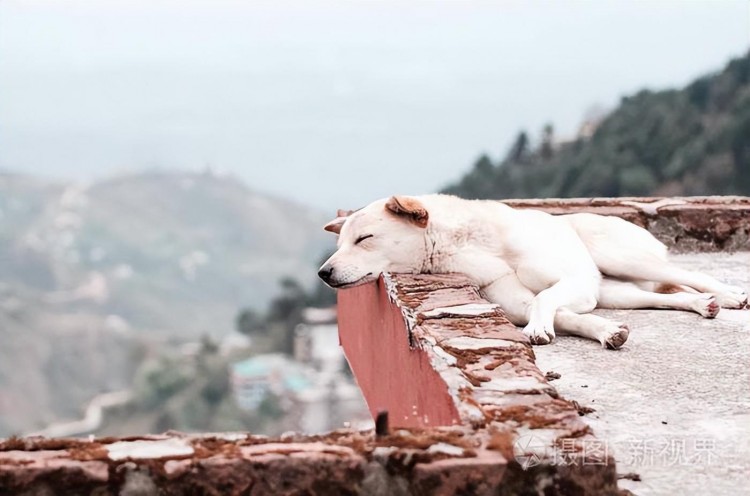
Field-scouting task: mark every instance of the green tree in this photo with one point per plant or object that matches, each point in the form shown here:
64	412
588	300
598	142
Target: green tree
546	149
519	152
693	141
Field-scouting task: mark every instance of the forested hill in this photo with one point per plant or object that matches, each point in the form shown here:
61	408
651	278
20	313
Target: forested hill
693	141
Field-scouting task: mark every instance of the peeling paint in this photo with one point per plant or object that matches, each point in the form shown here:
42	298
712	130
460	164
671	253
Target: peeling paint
226	436
652	208
468	309
161	448
514	384
470	343
446	357
447	449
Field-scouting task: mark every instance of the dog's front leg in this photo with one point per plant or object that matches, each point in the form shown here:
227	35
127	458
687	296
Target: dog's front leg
573	293
524	308
515	299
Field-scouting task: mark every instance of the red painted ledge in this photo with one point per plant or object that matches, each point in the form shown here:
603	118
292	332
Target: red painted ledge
395	374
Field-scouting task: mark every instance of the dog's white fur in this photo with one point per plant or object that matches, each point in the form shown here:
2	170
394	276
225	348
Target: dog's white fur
545	271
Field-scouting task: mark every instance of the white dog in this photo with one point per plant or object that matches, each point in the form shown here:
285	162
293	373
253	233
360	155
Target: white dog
544	271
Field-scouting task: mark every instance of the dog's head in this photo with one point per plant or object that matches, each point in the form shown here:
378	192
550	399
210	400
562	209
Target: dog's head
385	236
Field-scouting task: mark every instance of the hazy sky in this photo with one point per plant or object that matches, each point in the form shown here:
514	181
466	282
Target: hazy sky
332	103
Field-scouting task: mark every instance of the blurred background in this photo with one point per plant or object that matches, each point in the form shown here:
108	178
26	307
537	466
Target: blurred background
166	167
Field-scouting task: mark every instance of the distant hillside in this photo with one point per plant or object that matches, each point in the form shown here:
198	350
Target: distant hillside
693	141
175	253
93	278
54	359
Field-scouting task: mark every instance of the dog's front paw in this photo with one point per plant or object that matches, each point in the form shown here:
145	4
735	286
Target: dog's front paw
615	336
734	297
539	333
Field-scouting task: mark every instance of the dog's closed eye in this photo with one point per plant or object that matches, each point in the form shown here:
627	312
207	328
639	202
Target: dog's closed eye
362	238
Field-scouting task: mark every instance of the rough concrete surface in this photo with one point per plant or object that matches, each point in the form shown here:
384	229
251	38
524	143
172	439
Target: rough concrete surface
674	402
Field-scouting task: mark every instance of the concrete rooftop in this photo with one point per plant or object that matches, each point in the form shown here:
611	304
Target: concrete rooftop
674	402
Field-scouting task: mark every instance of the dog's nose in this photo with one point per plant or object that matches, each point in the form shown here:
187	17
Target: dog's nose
325	273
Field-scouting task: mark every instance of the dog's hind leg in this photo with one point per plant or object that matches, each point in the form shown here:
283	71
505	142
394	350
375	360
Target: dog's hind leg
623	250
626	295
663	272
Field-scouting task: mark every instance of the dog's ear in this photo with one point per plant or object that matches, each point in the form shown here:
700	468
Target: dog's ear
335	225
408	208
